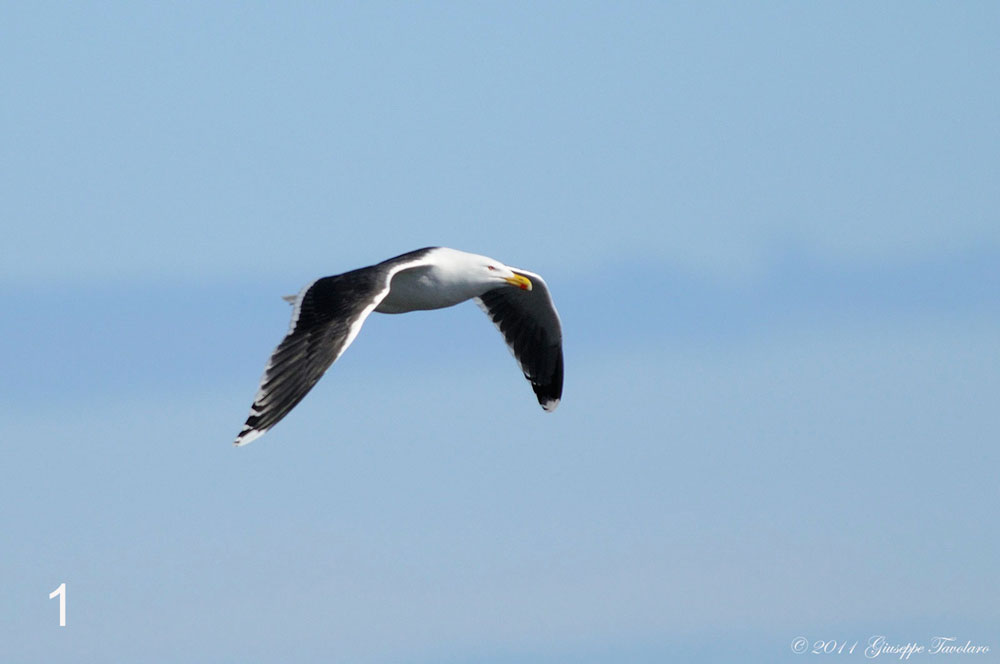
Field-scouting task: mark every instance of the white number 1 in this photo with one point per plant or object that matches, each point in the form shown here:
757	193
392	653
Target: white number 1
61	591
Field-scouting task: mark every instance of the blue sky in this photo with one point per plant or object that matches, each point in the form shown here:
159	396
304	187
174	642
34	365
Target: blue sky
772	234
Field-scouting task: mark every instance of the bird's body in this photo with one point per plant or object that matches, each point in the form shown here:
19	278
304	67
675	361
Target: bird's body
434	285
329	312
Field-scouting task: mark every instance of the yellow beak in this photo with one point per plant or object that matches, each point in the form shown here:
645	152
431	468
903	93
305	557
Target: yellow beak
520	281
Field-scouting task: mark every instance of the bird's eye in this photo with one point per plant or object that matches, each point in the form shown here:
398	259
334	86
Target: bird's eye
490	267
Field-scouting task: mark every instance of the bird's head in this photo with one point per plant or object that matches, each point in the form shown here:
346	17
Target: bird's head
478	274
500	272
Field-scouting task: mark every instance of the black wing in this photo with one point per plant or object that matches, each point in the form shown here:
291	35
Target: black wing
530	325
328	315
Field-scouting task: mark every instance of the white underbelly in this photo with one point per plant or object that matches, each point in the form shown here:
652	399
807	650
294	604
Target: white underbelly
418	290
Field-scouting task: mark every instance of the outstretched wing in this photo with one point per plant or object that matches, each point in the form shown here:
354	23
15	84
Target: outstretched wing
327	316
530	325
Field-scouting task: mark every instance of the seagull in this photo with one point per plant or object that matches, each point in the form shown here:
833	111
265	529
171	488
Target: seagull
328	314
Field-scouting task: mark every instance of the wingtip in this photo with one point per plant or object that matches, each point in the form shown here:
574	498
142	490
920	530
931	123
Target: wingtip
550	405
247	436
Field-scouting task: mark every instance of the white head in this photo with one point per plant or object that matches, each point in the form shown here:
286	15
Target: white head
487	272
500	272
